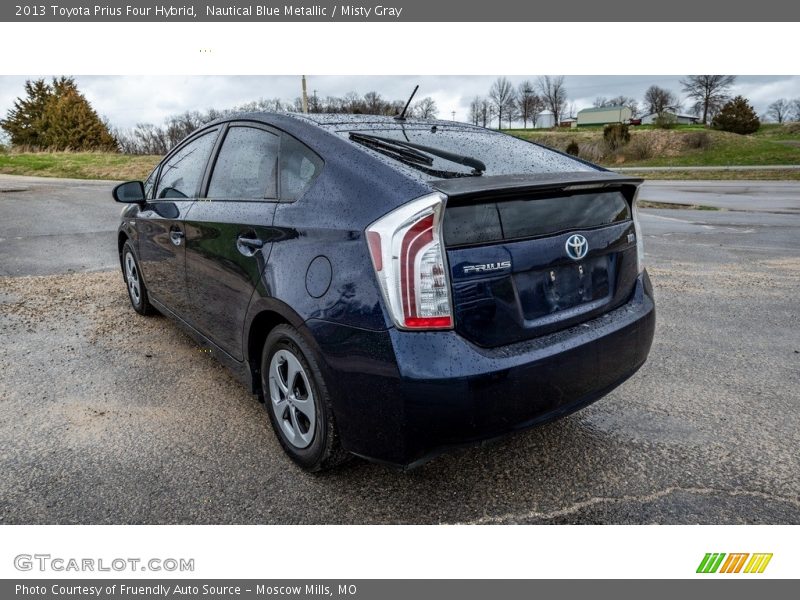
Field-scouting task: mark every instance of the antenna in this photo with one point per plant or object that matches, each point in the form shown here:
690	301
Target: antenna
402	115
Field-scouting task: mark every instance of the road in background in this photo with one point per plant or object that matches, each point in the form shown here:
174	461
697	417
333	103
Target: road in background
755	196
109	417
50	225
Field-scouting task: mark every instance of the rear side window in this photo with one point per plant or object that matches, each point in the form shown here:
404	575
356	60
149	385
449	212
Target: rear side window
181	173
246	166
299	167
522	218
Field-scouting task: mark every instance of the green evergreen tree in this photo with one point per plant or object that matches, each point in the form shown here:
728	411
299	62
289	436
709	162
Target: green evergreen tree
737	116
23	123
56	117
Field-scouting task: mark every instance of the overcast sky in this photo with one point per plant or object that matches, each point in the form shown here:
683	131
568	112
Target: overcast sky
127	100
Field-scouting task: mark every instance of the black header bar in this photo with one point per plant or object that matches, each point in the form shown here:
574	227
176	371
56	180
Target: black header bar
401	11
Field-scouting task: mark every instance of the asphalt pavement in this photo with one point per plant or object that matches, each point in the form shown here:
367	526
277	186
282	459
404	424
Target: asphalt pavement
108	417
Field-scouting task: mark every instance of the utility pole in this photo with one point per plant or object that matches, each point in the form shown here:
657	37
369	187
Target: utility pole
305	96
452	112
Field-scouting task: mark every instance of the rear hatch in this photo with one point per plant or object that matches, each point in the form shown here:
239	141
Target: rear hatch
529	255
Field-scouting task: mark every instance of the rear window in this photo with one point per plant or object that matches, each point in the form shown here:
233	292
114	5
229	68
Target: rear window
500	154
532	217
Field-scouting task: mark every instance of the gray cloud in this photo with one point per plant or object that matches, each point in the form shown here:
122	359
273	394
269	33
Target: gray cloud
129	99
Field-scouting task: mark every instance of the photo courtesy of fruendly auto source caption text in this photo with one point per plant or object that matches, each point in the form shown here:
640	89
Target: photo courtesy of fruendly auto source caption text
375	301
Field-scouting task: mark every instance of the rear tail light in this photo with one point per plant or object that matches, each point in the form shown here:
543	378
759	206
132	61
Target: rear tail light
408	256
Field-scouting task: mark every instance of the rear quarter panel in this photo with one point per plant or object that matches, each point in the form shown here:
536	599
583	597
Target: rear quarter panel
327	223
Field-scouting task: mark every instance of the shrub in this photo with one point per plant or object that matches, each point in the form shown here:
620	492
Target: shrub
737	116
697	140
665	121
573	148
616	135
593	151
641	147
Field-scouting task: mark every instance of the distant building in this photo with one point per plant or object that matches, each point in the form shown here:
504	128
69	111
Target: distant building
568	122
544	120
604	115
675	117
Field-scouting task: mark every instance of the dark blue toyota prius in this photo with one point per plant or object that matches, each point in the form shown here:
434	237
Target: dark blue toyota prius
391	288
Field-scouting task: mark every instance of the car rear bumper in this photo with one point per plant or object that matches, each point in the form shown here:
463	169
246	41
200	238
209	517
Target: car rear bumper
401	397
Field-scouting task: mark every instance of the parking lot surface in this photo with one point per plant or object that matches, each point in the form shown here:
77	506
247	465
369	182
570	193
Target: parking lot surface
109	417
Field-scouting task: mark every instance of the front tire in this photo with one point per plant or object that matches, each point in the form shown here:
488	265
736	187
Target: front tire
137	291
298	401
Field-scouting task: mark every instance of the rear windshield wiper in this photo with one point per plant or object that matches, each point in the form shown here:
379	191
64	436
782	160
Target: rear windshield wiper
419	150
391	148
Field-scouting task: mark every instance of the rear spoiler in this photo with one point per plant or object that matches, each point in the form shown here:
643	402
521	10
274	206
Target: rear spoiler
466	188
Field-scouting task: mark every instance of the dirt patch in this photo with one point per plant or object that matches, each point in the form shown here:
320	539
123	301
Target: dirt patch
774	278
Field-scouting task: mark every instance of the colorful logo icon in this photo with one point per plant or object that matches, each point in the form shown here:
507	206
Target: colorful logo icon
734	563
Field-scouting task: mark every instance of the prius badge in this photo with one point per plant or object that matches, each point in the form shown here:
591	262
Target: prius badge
487	267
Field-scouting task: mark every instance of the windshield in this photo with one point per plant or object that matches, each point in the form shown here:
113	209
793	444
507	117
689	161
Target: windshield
438	151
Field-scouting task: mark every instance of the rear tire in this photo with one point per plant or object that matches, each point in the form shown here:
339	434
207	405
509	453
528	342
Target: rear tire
137	291
298	402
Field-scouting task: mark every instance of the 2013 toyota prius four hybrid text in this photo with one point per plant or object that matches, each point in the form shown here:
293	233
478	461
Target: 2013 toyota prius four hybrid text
392	287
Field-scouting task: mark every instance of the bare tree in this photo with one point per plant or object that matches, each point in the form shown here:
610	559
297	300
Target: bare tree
529	104
553	93
709	92
779	110
658	100
374	103
626	101
502	96
426	108
314	103
512	111
796	109
621	100
475	111
352	103
486	112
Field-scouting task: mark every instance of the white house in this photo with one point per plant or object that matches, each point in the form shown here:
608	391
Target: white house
675	117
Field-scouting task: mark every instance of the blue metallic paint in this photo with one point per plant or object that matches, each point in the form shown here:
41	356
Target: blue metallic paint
398	396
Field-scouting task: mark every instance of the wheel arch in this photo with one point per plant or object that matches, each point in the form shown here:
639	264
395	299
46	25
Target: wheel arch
264	315
122	237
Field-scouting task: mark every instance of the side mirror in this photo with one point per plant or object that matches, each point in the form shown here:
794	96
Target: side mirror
130	192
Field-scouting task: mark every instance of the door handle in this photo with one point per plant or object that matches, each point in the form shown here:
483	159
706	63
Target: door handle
252	243
248	246
175	236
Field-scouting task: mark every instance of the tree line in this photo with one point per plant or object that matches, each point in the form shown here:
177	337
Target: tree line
706	95
55	115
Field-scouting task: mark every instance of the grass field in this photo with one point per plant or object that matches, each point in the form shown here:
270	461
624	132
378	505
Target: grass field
687	146
684	146
689	174
77	165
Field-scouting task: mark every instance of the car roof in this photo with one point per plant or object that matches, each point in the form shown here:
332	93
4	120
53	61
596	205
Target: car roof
340	121
333	122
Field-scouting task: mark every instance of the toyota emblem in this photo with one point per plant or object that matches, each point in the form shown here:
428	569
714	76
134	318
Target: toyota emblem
577	246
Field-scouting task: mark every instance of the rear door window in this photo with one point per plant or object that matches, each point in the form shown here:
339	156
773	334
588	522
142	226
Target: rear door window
182	172
246	168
